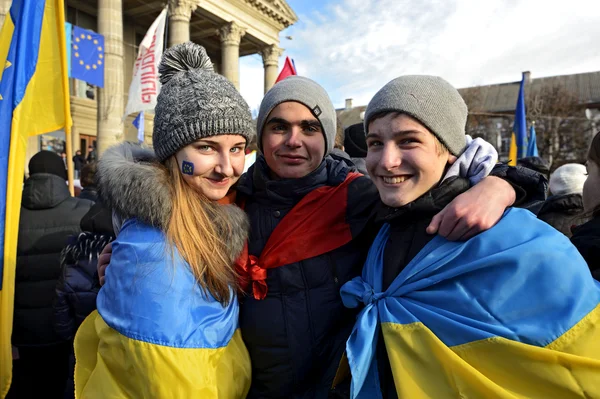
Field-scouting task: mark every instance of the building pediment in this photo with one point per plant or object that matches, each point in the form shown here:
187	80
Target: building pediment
279	10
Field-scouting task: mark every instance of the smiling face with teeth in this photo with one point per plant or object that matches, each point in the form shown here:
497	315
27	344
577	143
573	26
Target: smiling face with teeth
404	159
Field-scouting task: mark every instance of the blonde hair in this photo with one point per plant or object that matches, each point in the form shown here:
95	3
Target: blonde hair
197	229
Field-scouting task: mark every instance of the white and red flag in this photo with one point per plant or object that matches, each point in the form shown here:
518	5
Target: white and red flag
145	85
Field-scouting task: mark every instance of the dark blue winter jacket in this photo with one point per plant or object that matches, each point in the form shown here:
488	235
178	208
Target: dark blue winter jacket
297	334
78	285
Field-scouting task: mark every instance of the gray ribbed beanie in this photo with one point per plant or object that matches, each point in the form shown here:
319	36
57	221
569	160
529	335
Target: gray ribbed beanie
195	102
303	91
429	99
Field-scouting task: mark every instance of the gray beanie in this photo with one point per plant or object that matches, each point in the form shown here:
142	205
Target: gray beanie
568	179
431	100
306	92
195	102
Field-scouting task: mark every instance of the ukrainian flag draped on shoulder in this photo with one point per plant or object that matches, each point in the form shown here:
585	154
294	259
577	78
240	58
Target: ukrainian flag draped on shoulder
510	313
518	141
156	334
34	99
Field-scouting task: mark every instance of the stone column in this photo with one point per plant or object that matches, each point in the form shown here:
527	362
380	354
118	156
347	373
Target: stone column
270	55
180	13
110	98
231	36
75	137
4	9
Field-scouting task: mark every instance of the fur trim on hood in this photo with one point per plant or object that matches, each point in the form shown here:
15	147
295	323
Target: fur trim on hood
134	184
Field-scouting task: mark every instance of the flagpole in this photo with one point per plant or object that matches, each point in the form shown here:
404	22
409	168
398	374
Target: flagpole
68	121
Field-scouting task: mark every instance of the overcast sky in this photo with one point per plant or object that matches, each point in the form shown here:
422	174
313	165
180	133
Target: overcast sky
353	47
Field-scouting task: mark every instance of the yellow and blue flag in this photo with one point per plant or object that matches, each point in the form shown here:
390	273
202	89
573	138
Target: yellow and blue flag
510	313
87	56
518	141
34	99
156	333
532	150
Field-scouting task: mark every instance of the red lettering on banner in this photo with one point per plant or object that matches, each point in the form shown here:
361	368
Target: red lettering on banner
147	62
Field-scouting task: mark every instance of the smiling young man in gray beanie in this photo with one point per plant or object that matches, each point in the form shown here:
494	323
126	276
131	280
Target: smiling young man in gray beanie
423	297
293	321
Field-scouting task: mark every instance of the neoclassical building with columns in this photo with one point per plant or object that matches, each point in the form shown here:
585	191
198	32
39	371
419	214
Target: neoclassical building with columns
228	29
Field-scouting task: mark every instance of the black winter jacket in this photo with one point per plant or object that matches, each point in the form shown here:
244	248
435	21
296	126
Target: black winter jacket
49	215
563	212
587	240
78	286
297	334
407	238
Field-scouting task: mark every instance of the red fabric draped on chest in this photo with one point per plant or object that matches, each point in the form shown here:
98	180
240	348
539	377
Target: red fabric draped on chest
315	226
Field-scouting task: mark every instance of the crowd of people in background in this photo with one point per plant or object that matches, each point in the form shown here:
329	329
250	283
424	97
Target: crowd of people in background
315	189
60	238
79	161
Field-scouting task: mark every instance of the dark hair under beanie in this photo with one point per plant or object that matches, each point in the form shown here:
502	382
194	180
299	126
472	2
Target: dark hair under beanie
47	162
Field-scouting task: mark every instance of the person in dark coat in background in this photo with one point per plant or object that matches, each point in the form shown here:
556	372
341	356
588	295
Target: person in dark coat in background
563	210
339	151
78	162
88	182
355	145
91	156
587	236
49	215
78	285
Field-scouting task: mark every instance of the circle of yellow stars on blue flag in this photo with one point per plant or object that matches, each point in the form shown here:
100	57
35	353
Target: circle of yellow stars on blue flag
98	52
87	56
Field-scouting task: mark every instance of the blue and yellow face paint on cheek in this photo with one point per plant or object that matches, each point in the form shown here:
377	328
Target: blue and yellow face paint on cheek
187	168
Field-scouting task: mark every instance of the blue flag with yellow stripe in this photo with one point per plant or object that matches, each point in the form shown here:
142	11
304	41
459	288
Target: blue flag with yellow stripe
510	313
34	99
156	333
518	141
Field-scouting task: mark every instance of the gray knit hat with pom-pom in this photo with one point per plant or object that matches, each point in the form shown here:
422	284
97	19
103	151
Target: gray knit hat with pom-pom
195	102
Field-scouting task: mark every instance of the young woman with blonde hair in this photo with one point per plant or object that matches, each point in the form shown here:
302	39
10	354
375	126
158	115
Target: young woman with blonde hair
167	318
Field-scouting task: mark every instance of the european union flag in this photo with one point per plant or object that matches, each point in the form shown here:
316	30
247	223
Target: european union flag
87	56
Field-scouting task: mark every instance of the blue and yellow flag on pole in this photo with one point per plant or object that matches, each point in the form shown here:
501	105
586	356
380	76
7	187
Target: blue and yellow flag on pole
518	141
510	313
532	150
34	99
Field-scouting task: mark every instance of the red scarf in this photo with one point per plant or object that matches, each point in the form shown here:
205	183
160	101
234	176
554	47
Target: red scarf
315	226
